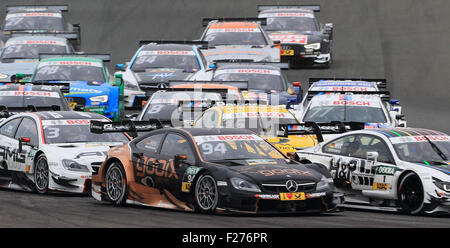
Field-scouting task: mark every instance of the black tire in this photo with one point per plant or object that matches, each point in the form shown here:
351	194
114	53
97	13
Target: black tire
116	184
411	194
41	174
206	195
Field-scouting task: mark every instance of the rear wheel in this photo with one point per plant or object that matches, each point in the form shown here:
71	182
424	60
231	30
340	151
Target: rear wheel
206	194
116	184
410	194
41	174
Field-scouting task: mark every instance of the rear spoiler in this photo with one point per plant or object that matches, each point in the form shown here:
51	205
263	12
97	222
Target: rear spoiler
261	21
67	35
62	8
103	57
180	42
315	8
335	127
63	86
384	95
222	62
241	85
196	104
6	112
127	126
380	82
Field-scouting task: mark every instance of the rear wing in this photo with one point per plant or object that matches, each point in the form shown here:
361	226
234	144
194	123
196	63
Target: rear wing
241	85
335	127
222	62
6	112
126	126
261	21
63	86
203	44
103	57
384	95
67	35
315	8
381	83
62	8
196	105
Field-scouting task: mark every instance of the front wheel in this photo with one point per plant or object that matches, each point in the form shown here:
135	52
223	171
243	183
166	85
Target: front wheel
116	184
410	194
41	175
206	194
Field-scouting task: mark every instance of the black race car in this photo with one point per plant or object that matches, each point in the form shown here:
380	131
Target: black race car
39	19
208	170
304	41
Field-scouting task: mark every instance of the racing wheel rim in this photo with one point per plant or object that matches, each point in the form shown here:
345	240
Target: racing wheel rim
41	178
115	183
206	193
411	194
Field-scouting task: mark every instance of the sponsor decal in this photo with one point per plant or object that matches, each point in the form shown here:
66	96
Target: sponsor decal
380	186
82	63
292	196
145	166
249	52
80	90
315	195
33	14
248	71
343	84
268	197
215	138
386	170
30	93
352	103
185	187
67	122
165	52
288	14
412	139
290	38
34	42
258	114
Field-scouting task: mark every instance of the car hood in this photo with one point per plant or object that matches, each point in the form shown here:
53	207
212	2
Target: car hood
296	37
162	75
257	54
91	88
7	70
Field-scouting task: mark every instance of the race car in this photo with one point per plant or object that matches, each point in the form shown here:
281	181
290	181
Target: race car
393	169
304	41
238	39
356	100
208	170
157	62
91	86
52	151
266	81
16	98
21	19
21	54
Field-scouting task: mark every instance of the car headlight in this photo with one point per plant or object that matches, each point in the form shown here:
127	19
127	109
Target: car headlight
324	183
242	184
314	46
74	166
102	98
3	75
441	184
130	86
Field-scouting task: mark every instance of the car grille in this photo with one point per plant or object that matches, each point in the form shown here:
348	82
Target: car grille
280	187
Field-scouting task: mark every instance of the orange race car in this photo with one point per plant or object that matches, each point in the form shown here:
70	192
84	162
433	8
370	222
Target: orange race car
208	170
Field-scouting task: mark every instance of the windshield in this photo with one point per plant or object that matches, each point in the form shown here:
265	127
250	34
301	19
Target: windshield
13	99
61	131
34	21
30	51
291	24
256	81
345	113
423	151
217	37
185	60
57	72
239	147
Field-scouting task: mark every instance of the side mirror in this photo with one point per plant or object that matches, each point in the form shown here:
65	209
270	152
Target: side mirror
120	67
22	141
291	155
179	158
372	156
118	79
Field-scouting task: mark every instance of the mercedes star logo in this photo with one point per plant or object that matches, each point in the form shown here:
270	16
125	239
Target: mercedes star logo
291	186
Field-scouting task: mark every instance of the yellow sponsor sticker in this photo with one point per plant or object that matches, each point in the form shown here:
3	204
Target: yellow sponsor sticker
287	52
72	104
298	196
380	186
185	187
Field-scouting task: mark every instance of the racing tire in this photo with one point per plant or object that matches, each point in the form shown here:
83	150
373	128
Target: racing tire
411	194
41	175
116	184
206	195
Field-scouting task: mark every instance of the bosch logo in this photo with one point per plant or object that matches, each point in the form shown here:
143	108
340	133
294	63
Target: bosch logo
291	186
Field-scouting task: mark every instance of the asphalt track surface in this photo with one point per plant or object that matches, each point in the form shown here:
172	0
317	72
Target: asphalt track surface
405	41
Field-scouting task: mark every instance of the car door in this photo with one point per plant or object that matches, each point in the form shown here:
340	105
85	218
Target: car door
8	144
27	129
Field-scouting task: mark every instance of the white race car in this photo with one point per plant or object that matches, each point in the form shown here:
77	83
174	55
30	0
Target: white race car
52	151
405	169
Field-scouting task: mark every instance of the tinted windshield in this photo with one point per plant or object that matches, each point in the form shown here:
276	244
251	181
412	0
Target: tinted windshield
345	113
58	72
61	131
291	24
239	147
34	21
30	51
185	60
423	151
256	81
13	99
216	37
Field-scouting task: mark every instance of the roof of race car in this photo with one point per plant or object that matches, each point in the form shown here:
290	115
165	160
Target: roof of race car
39	10
176	47
285	10
204	86
232	25
56	115
28	87
72	58
404	132
247	66
216	131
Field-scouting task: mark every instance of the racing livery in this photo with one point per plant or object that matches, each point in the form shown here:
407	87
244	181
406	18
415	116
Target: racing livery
21	54
209	170
157	62
91	87
304	41
21	19
52	151
238	39
392	169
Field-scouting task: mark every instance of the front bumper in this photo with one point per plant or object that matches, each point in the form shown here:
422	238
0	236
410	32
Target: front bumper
70	182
